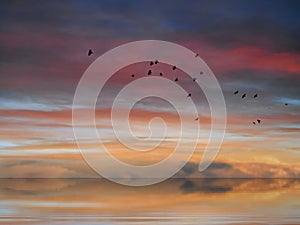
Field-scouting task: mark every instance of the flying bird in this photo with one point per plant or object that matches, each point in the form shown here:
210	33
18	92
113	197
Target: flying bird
189	95
236	92
160	74
149	72
151	63
194	79
90	52
196	55
156	62
258	121
176	79
174	67
255	96
244	96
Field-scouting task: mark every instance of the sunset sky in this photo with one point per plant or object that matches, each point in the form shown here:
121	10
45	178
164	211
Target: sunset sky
251	46
176	201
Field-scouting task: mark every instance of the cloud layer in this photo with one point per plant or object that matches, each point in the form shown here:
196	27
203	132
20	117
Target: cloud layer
252	47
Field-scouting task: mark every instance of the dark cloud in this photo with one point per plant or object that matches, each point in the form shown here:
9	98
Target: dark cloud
47	40
220	165
229	24
215	186
191	168
237	170
216	169
204	186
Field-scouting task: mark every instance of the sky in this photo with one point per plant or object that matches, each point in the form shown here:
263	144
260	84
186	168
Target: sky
97	201
251	46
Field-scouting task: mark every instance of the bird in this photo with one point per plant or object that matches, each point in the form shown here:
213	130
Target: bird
194	79
201	73
174	67
244	96
189	95
285	104
149	72
90	52
151	63
253	122
236	92
176	79
160	74
132	75
156	62
258	121
196	55
197	118
255	96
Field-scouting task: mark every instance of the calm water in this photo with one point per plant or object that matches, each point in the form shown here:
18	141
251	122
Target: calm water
176	201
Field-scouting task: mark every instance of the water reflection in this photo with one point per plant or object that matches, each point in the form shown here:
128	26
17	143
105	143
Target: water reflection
182	201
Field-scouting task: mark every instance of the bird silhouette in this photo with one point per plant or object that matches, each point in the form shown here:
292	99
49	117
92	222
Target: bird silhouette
149	72
196	55
160	74
174	67
156	62
258	121
176	79
194	79
244	96
189	95
90	52
151	63
132	75
236	92
255	96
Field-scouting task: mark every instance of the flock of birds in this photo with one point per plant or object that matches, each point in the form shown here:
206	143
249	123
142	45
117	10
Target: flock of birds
244	95
161	74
